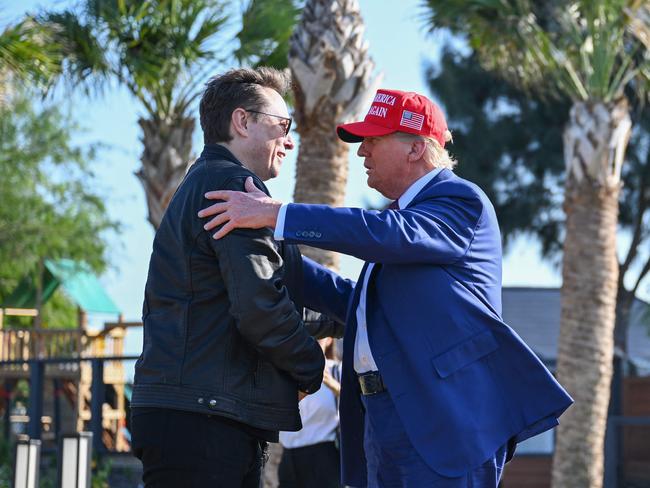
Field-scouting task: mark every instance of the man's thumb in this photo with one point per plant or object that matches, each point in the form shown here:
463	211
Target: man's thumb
249	185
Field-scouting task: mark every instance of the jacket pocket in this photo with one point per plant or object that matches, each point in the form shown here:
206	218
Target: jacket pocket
465	353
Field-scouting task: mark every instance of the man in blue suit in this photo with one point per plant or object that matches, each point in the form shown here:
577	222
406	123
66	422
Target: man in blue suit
436	388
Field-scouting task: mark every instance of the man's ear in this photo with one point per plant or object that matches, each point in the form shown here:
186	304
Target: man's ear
418	148
239	122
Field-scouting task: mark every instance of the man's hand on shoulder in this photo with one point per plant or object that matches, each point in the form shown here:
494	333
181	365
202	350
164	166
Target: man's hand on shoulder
252	209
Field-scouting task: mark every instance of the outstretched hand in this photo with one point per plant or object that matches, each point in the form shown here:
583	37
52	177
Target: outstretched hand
252	209
331	382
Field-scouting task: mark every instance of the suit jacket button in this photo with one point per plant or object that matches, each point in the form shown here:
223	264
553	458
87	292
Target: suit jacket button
213	403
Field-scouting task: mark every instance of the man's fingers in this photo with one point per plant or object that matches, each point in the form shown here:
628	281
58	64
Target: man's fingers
217	221
219	195
213	209
224	231
249	185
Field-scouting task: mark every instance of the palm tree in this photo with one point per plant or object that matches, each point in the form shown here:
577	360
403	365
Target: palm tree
26	53
155	49
162	51
586	51
333	80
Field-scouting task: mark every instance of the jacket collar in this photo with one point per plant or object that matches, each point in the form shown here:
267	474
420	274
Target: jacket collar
217	151
443	175
416	187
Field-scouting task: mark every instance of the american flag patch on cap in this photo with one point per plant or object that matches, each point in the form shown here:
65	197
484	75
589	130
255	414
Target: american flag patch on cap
412	120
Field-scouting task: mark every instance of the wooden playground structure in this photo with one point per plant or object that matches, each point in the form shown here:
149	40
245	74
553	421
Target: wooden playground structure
67	376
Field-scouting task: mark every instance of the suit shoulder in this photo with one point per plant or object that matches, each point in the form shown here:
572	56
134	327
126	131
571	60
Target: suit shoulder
453	185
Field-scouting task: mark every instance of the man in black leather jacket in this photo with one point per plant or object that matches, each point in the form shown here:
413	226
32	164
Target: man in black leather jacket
225	351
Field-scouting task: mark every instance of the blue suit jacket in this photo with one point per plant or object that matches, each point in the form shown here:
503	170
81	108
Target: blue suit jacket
462	381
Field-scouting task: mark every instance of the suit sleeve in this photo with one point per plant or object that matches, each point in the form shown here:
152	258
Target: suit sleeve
320	325
264	314
437	231
325	291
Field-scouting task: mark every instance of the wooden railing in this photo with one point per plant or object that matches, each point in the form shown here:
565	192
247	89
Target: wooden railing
72	355
19	346
107	343
26	344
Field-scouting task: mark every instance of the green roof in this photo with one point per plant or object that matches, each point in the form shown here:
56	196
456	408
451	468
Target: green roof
79	284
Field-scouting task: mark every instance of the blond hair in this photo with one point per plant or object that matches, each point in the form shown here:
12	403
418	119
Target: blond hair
434	153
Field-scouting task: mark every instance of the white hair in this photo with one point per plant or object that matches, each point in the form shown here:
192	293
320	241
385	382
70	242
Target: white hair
434	153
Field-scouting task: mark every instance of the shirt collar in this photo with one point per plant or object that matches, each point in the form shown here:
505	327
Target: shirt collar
417	186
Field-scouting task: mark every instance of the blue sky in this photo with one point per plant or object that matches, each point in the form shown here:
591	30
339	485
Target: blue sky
400	49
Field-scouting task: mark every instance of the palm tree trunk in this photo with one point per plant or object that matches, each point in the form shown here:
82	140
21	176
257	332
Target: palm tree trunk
595	142
589	273
332	75
624	302
321	177
165	159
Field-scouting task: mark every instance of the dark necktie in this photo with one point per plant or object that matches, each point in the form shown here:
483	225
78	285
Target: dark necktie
394	205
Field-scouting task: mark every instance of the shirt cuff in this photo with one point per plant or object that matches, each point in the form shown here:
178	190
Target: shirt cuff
278	234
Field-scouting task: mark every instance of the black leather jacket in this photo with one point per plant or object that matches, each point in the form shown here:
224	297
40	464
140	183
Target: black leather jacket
222	319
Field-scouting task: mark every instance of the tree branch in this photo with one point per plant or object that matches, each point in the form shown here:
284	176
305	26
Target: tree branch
642	275
637	236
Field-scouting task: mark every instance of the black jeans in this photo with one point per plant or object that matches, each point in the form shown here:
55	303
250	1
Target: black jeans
315	466
191	450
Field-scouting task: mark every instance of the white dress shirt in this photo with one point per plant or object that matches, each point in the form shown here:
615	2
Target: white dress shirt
319	415
363	360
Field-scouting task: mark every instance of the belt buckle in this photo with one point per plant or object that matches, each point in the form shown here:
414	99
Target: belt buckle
371	383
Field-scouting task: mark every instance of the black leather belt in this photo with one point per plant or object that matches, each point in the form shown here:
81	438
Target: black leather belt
371	383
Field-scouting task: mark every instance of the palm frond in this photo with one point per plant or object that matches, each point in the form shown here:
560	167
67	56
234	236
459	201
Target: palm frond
28	51
158	42
639	21
581	48
266	28
83	56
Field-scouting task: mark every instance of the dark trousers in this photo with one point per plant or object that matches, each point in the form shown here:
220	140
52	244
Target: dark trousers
393	462
315	466
190	450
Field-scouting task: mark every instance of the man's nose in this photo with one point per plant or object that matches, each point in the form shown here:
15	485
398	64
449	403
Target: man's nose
363	149
289	142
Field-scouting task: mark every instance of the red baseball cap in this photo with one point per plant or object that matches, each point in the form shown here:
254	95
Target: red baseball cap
397	111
